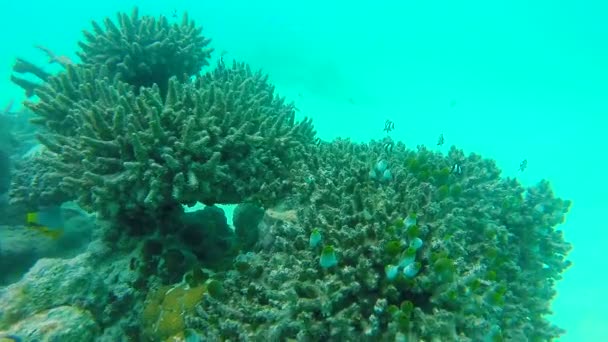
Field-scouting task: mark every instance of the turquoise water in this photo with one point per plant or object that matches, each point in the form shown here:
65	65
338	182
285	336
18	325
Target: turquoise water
510	80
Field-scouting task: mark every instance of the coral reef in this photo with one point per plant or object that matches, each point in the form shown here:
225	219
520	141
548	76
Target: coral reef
126	135
223	139
94	288
62	97
51	283
144	51
481	274
24	67
166	308
8	143
206	234
21	247
34	185
334	241
246	218
61	323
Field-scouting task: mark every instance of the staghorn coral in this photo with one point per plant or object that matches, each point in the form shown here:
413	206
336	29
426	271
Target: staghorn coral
145	51
64	96
490	256
224	139
24	67
121	135
61	98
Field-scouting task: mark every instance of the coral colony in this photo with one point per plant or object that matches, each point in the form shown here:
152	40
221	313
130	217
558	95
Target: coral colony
333	241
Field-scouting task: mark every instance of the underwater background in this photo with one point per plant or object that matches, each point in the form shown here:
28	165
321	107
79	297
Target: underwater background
510	80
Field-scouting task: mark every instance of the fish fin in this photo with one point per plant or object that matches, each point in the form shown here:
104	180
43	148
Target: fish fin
36	227
46	231
50	232
54	233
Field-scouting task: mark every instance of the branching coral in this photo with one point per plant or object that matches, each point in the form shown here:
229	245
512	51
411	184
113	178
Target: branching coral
474	256
144	50
127	132
63	97
487	265
224	139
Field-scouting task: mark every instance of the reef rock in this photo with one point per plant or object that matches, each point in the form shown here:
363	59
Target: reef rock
52	283
63	323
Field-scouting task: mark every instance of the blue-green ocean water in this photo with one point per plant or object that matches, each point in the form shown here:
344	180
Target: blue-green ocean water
511	80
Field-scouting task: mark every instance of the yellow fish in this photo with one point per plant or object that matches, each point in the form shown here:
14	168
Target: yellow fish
32	221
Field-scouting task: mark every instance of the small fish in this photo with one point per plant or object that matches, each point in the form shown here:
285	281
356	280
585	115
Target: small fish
192	335
46	231
8	107
523	165
416	243
440	141
315	238
54	58
389	126
381	166
387	176
47	222
328	257
411	270
391	271
456	169
223	54
410	220
174	14
133	264
388	146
